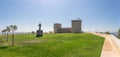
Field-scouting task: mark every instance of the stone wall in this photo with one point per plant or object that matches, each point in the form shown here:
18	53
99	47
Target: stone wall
65	30
116	43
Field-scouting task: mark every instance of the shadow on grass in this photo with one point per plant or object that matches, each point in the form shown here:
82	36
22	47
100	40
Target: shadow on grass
1	41
4	47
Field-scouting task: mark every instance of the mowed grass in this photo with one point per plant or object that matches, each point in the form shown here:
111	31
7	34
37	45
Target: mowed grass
54	45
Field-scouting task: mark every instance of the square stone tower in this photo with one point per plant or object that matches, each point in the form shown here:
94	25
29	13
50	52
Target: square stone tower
57	28
76	26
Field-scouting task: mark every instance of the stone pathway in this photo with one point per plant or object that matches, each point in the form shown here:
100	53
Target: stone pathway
109	49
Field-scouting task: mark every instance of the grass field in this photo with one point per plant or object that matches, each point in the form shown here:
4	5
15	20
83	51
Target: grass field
53	45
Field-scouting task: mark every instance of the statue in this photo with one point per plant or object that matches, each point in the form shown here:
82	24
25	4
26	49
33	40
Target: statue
39	32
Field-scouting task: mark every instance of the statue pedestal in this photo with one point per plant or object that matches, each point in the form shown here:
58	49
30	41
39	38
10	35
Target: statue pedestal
39	33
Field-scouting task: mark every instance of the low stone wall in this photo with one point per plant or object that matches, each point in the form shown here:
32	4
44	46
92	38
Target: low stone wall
116	43
111	47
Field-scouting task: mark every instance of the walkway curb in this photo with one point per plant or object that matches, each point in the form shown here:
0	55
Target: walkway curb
111	47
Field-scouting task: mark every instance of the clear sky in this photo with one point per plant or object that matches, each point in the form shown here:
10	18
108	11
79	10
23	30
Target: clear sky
97	15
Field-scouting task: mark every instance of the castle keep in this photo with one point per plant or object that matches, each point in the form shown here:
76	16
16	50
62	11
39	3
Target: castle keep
75	27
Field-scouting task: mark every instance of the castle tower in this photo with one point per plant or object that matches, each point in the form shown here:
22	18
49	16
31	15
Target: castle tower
57	27
76	26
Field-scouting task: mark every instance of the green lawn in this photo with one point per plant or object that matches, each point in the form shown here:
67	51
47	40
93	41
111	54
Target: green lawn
53	45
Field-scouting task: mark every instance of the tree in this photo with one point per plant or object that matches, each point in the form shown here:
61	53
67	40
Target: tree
7	30
33	32
119	33
13	28
107	32
3	31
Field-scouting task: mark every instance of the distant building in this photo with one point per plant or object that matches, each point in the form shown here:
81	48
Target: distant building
76	27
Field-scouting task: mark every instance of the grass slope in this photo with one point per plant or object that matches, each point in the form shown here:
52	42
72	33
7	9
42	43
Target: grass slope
54	45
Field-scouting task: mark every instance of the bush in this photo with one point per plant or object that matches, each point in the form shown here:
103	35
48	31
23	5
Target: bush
107	32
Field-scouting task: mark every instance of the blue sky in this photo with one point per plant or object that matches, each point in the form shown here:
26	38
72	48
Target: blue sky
96	15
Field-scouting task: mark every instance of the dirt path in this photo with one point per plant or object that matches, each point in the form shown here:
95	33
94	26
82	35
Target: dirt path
109	49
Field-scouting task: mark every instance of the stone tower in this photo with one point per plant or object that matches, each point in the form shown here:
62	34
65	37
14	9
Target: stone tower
57	28
76	26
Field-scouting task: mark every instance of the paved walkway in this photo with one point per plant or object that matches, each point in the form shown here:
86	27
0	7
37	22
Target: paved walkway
109	49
